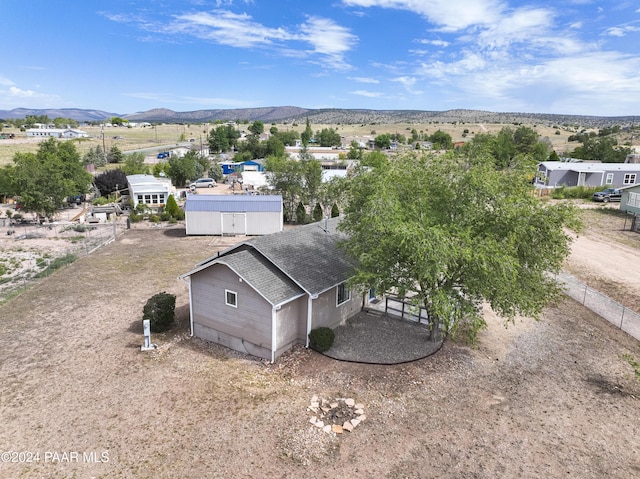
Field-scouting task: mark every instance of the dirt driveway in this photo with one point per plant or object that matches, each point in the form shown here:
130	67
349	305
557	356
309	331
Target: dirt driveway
557	398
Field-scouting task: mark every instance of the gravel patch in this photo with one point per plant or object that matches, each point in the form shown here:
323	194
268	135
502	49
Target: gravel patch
372	337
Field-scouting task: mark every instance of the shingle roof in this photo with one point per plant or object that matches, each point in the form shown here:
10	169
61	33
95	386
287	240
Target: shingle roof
265	278
308	255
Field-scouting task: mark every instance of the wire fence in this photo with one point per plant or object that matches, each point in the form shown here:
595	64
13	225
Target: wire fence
617	314
25	260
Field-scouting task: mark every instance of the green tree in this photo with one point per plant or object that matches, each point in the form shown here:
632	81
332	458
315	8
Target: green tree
456	234
382	142
604	149
288	138
44	179
256	128
301	214
317	212
173	209
286	177
328	137
441	140
95	156
184	169
306	135
134	164
115	155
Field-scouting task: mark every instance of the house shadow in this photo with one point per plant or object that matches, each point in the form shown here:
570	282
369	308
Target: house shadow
175	232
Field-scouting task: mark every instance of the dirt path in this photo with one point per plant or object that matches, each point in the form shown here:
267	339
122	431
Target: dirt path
550	399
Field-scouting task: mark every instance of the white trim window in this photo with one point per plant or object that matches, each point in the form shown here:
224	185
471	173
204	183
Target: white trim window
231	298
343	294
630	179
609	180
633	199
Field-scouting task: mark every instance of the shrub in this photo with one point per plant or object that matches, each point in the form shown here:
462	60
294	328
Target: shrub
301	214
172	207
154	218
317	212
160	310
165	216
321	339
135	217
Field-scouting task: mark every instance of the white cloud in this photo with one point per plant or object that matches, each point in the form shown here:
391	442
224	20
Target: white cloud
436	43
330	40
621	31
363	80
368	94
447	15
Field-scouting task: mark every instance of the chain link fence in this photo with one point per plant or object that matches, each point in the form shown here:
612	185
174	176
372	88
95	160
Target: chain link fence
26	259
614	312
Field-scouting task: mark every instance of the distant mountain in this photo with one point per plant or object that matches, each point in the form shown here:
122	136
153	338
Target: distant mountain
330	116
77	114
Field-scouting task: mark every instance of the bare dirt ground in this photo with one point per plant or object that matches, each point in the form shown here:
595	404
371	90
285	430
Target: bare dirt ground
555	398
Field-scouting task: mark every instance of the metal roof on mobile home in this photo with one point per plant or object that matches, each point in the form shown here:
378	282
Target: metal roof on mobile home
234	203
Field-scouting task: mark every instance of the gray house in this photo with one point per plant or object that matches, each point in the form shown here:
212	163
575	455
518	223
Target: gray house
552	174
630	201
266	294
233	214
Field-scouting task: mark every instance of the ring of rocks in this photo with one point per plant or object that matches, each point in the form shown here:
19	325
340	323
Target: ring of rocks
336	415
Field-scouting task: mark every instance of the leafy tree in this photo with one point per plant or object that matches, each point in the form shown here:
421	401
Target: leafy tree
328	137
184	169
382	142
301	214
62	122
215	172
223	138
603	149
44	179
306	134
172	208
31	120
317	212
355	151
286	177
256	128
273	146
456	234
441	140
335	212
161	169
95	156
110	181
311	180
288	138
134	164
115	155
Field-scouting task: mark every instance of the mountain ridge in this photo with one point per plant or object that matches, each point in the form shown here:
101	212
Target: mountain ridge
324	116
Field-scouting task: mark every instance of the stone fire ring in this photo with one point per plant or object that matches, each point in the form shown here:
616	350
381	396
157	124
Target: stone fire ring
336	415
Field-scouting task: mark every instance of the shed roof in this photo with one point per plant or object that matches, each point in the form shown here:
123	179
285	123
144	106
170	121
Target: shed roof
234	203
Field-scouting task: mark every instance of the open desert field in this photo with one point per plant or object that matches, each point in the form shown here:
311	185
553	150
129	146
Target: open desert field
78	399
160	137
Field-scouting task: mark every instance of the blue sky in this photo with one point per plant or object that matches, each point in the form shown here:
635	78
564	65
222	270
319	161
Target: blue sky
124	56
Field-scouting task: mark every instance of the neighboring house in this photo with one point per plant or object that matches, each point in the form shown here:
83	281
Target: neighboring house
148	190
266	294
630	201
233	214
553	174
317	152
46	131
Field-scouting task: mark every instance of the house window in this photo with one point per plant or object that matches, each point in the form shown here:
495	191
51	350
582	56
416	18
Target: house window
609	180
634	200
343	294
231	298
630	179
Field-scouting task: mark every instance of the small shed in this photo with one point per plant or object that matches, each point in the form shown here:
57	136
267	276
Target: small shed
233	214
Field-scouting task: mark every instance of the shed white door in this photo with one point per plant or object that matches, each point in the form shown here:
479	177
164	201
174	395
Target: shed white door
234	223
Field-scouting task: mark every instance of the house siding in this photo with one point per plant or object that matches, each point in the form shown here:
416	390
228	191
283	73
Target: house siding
253	223
291	325
327	314
630	201
245	328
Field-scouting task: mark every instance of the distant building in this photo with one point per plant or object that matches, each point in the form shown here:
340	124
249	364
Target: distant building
43	131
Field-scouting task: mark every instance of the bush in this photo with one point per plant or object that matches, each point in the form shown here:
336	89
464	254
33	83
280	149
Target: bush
160	310
321	339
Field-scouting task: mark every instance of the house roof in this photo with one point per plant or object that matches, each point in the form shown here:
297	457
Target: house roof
264	277
234	203
589	167
308	255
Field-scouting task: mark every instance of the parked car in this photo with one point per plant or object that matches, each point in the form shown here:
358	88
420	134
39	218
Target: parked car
610	194
204	183
164	154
